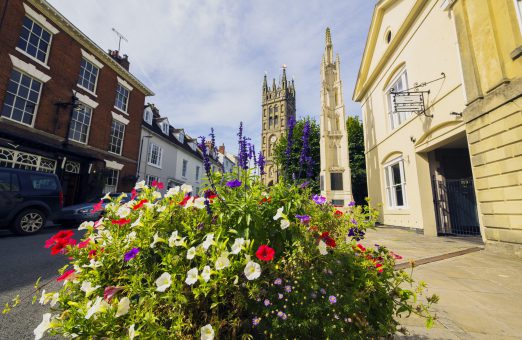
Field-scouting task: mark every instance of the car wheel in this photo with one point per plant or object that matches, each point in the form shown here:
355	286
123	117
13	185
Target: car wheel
29	221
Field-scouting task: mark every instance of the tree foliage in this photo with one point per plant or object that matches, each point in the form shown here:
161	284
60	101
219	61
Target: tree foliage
357	161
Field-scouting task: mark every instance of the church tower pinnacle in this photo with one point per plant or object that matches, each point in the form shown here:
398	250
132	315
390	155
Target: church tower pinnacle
335	180
278	107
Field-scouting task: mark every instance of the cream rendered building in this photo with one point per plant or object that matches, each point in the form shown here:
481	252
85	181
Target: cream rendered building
412	157
335	177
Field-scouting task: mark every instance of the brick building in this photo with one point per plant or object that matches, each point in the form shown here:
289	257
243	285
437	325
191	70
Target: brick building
67	106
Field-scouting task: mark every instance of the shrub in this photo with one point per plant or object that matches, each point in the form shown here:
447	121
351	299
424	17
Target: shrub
242	260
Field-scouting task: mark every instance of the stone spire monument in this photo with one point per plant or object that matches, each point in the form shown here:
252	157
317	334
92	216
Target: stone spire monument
335	180
278	106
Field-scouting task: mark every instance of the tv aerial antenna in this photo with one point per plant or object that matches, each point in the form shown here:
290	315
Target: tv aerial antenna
120	37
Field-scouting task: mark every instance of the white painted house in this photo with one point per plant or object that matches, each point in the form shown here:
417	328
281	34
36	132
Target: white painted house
169	155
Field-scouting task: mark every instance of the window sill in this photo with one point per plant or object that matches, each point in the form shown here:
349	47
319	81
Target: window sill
32	58
18	122
86	90
154	165
114	153
120	110
516	53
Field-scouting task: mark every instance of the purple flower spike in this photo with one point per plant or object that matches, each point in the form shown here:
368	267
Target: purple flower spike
319	199
131	254
234	184
332	299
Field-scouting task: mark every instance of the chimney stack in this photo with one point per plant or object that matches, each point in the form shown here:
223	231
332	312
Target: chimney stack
221	149
122	60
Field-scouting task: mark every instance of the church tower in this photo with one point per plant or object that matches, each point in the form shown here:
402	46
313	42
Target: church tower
335	180
278	106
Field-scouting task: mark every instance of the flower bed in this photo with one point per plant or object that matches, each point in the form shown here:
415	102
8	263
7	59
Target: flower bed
243	260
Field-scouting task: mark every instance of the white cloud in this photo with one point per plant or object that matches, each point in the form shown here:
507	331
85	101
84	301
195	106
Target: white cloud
205	60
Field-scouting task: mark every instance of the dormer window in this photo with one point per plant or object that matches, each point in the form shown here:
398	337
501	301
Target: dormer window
181	138
147	116
193	145
165	127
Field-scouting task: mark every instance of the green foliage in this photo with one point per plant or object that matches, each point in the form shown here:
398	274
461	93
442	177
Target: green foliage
331	287
355	131
289	167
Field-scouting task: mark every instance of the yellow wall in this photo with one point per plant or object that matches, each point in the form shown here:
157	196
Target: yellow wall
489	33
428	48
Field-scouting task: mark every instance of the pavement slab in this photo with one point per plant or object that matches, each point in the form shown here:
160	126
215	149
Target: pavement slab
480	291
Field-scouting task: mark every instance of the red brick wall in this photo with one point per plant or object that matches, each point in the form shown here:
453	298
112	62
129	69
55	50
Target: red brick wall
64	62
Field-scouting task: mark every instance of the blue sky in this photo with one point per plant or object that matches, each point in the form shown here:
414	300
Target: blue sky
205	59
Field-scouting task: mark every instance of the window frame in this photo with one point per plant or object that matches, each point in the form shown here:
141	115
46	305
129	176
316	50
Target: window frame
518	9
184	167
159	156
391	200
393	117
150	178
106	185
93	91
121	85
88	126
114	121
44	28
36	104
198	168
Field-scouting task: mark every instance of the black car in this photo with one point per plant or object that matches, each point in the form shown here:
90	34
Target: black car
73	215
28	199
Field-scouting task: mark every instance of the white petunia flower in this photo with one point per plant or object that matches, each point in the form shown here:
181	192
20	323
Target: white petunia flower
205	274
191	253
322	247
222	262
207	333
156	240
43	298
186	188
85	225
172	191
238	245
199	203
162	208
106	197
137	222
130	237
132	332
140	185
54	299
88	288
208	241
252	270
285	224
163	282
99	306
93	264
175	239
123	307
43	326
192	276
190	203
123	211
279	214
156	195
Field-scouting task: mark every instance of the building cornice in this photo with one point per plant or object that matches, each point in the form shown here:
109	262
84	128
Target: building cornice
364	79
65	25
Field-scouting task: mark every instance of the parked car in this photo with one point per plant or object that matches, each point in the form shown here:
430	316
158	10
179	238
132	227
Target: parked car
28	199
73	215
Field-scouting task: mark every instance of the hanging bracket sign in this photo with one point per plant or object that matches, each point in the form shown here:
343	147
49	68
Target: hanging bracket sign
409	101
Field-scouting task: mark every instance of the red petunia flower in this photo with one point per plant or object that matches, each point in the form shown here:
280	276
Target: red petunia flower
265	253
134	193
338	213
97	207
139	205
396	256
265	200
185	200
92	254
66	275
325	236
61	244
361	247
121	221
84	243
379	268
158	185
